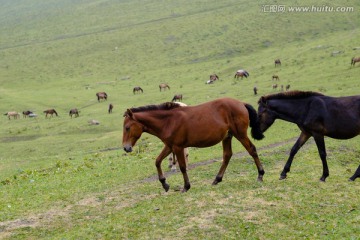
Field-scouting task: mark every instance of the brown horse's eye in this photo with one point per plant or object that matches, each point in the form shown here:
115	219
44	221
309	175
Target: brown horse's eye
127	129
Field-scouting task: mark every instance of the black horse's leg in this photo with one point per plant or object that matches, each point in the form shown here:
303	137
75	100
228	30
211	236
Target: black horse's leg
179	152
320	143
356	174
299	143
227	153
164	153
251	149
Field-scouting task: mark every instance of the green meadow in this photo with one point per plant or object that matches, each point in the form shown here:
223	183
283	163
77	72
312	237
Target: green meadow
63	178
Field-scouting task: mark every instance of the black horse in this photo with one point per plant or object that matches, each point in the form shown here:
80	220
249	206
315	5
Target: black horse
317	116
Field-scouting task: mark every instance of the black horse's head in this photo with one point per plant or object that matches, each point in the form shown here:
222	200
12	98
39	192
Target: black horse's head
266	116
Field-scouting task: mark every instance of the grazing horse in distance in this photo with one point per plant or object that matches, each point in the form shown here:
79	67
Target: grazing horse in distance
177	97
51	112
101	95
26	113
181	127
287	87
241	73
355	60
275	77
110	108
274	86
74	111
317	116
277	62
255	90
214	77
137	89
13	114
164	86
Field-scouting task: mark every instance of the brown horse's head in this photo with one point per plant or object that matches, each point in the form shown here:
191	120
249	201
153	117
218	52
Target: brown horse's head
132	131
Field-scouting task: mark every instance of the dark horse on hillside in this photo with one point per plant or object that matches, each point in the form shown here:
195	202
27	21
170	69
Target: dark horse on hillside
177	97
181	127
137	89
277	62
317	116
355	60
50	112
101	95
74	111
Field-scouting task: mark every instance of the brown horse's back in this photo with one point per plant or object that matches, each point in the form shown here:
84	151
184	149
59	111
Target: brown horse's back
226	114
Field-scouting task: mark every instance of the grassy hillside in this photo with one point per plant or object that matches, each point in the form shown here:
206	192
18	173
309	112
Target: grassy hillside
63	178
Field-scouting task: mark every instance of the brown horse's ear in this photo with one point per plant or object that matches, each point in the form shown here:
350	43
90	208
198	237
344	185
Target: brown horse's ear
129	113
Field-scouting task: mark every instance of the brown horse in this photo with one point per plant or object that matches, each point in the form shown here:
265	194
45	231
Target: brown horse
51	112
199	126
74	111
317	116
214	77
177	97
164	86
110	108
275	77
137	89
277	62
101	95
14	114
355	60
26	113
241	73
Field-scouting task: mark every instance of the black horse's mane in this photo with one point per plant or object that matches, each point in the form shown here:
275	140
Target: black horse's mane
290	95
163	106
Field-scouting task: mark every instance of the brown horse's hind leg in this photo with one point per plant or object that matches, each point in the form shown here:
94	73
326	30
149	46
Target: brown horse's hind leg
227	153
164	153
251	149
180	156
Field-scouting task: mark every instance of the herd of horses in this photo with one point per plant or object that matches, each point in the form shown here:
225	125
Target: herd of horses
180	126
51	112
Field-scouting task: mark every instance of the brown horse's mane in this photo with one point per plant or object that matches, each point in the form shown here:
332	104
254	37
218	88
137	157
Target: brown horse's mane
163	106
290	95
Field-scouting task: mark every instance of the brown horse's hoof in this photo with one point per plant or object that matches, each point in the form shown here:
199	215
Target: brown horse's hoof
217	180
260	179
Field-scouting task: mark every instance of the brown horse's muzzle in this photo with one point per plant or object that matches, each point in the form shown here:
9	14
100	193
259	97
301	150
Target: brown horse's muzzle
128	148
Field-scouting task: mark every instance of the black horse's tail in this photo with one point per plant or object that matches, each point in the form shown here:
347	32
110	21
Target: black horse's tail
254	123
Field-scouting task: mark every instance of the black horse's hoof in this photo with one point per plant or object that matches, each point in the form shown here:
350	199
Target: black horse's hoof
260	179
282	177
166	187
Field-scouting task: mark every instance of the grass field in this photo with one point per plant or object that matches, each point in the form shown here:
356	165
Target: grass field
62	178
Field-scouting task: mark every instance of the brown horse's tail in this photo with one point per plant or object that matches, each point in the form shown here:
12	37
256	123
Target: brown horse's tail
254	123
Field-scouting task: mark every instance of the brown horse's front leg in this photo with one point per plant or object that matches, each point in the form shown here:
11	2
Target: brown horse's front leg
227	153
251	149
179	152
164	153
